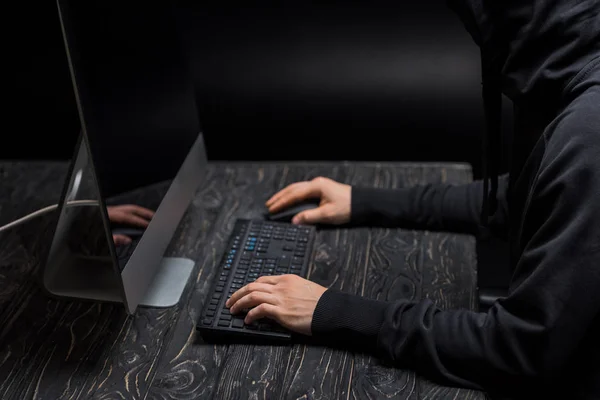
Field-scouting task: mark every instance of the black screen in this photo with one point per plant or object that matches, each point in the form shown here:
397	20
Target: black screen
136	97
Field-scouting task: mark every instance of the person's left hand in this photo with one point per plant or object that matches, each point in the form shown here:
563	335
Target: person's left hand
287	299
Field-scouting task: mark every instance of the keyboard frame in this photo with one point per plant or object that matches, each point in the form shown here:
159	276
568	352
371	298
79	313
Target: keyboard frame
214	331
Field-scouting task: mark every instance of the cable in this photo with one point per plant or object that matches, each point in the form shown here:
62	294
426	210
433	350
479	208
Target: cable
46	210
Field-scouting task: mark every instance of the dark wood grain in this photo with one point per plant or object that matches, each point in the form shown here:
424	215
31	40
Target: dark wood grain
57	349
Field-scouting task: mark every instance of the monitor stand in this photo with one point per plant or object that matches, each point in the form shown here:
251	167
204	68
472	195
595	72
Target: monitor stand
82	262
168	283
91	278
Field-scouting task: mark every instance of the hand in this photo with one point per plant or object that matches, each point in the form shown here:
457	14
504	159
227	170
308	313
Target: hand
121	240
287	299
334	207
130	214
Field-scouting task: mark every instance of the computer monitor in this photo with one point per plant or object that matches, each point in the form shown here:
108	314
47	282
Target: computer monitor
140	144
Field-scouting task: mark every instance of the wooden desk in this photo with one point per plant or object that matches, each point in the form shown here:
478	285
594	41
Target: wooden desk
57	349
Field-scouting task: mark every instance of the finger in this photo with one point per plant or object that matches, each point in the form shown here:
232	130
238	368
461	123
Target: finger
281	193
121	240
264	310
252	300
269	279
133	219
313	216
302	192
252	287
141	211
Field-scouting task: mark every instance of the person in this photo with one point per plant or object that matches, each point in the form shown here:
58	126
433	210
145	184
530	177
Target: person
542	340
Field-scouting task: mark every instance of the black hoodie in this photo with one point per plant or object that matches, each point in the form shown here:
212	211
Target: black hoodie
543	340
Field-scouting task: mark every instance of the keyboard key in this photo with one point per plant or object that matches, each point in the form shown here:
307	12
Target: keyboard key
265	326
207	321
284	261
224	323
237	323
253	326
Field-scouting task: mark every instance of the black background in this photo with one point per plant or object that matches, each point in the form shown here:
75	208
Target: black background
348	81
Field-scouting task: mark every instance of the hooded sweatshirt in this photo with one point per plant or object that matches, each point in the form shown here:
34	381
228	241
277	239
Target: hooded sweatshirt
543	339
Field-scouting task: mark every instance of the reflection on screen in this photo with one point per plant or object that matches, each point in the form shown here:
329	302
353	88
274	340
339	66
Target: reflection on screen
130	213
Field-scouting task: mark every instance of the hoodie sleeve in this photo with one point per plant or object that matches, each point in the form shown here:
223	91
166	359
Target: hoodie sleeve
433	207
523	339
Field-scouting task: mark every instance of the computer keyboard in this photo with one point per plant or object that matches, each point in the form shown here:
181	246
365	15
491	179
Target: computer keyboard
255	248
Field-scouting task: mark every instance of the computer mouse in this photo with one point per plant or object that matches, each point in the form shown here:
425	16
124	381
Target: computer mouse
287	214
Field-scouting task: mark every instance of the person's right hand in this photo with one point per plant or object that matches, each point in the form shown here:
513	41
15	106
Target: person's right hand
334	207
130	214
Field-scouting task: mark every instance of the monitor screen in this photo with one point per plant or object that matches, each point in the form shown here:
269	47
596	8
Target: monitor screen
134	90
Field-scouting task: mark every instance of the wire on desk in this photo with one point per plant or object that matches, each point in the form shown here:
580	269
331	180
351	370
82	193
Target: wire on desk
46	210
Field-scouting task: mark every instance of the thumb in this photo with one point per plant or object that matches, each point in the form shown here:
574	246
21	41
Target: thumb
309	217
